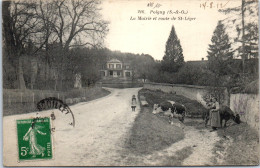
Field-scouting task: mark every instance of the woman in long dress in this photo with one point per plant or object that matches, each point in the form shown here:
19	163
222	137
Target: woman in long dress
35	148
214	115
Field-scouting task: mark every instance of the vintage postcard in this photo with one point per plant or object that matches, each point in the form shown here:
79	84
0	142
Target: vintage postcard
130	83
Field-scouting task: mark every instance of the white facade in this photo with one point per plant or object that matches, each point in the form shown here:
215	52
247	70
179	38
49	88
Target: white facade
116	69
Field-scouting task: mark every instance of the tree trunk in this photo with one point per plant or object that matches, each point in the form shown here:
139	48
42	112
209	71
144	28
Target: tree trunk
56	83
243	34
47	59
21	81
34	70
13	48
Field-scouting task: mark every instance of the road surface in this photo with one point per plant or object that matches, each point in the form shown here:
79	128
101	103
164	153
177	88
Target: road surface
102	126
96	140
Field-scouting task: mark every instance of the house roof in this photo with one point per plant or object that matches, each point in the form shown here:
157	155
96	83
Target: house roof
199	63
114	61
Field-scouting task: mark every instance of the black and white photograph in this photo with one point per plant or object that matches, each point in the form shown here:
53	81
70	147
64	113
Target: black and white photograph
130	83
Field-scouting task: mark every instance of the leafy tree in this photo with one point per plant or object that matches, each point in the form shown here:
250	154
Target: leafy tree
251	41
173	58
219	53
245	19
144	64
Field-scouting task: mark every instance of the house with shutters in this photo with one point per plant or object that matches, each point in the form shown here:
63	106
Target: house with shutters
116	69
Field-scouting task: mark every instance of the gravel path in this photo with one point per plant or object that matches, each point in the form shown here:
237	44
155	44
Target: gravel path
201	142
96	140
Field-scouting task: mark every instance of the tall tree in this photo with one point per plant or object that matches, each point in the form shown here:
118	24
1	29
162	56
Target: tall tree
45	14
19	26
245	19
220	53
173	58
78	23
53	27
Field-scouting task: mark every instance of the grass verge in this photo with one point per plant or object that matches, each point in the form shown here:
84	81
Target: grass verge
244	148
151	133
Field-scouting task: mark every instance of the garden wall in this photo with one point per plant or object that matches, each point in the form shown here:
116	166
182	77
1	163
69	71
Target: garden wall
247	105
190	91
121	85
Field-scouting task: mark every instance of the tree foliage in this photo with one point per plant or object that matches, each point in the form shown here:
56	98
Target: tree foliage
173	58
220	53
243	20
47	30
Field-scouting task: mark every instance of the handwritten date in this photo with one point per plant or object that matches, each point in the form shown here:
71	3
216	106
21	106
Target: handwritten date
212	4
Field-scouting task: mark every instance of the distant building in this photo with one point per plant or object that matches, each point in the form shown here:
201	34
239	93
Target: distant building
116	69
200	63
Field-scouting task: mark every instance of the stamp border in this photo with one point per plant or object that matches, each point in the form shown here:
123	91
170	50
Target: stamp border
17	145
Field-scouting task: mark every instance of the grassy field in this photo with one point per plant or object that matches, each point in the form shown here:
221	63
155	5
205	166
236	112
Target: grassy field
26	107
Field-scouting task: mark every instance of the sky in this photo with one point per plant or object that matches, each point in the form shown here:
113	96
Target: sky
150	36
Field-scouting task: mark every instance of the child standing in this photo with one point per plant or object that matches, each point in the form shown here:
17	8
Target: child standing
133	105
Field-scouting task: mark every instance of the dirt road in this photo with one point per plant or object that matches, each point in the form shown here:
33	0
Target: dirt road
201	142
102	127
96	140
196	149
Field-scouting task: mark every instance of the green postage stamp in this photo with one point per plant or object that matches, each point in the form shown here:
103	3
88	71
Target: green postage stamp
34	139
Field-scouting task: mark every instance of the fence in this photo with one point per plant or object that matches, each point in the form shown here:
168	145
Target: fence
247	105
25	96
26	100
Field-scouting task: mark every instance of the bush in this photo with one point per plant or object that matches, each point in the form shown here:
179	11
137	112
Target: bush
252	87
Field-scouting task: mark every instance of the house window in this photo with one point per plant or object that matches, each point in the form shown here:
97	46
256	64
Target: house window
111	65
111	73
127	74
118	73
118	66
127	67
